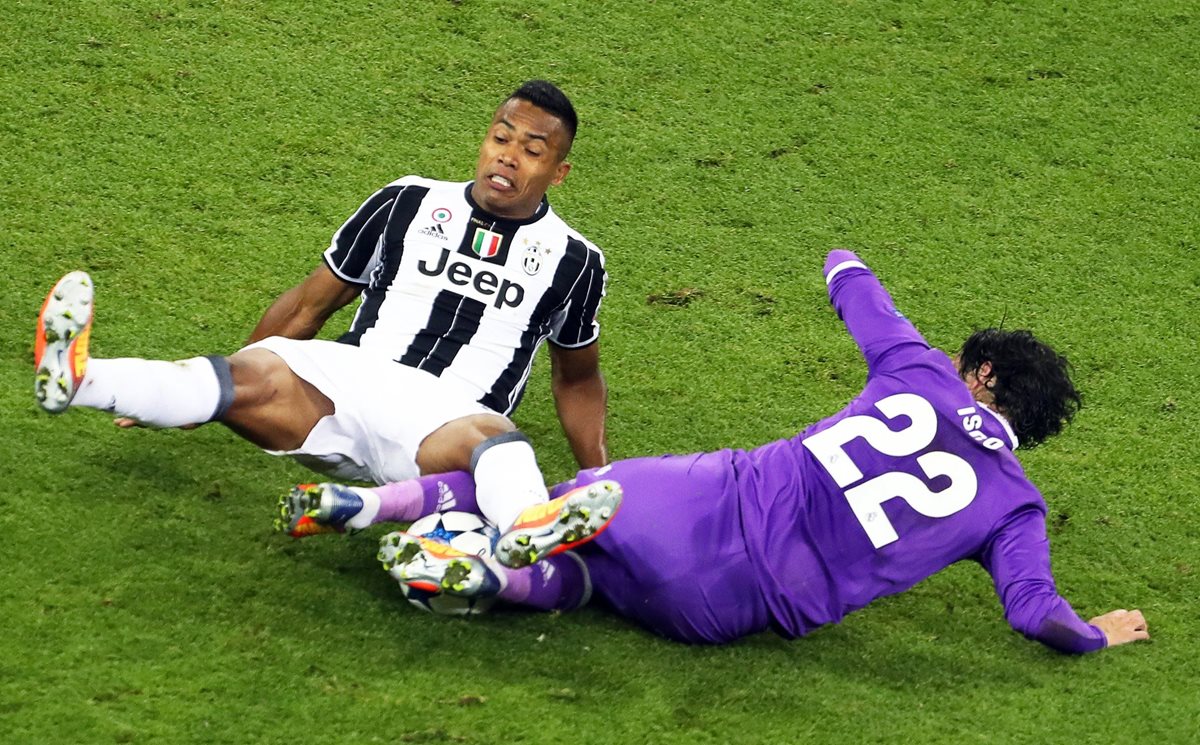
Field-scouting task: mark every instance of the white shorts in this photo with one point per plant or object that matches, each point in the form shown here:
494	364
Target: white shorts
383	410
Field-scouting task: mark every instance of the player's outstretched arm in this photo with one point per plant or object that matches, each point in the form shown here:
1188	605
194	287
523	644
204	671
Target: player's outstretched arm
868	311
1018	558
300	312
1122	626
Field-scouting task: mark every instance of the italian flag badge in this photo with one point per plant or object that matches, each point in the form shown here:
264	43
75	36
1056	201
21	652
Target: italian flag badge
487	243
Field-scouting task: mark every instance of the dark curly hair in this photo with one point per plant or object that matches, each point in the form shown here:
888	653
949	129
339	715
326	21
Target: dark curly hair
1032	382
548	97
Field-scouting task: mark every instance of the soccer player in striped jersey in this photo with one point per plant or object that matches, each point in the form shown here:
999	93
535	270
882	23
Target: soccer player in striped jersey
915	474
460	283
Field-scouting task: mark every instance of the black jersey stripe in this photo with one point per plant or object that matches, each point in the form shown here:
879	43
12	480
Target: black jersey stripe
452	324
404	208
504	396
579	328
354	242
509	387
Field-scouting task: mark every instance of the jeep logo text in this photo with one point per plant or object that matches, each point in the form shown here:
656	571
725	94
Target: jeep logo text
485	283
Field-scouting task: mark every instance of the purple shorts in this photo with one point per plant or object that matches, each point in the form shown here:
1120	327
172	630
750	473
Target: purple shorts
674	559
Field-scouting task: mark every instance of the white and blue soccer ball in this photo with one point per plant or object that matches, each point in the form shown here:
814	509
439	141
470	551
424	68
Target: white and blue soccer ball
465	532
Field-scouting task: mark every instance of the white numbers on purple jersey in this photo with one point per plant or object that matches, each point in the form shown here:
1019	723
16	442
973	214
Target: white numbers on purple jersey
866	499
829	445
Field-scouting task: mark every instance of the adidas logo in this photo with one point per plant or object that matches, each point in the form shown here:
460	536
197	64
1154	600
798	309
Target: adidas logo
434	231
446	500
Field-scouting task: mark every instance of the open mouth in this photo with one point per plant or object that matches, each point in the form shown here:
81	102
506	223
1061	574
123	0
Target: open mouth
499	181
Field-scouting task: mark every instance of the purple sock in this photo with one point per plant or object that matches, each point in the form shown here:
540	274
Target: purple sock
405	501
555	583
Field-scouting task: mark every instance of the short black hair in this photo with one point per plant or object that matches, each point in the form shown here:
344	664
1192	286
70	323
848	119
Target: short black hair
1032	382
547	96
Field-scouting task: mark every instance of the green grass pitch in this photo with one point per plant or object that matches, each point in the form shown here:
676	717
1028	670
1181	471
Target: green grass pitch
1034	163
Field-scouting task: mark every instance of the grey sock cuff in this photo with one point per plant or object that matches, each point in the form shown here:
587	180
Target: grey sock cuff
225	382
481	448
587	580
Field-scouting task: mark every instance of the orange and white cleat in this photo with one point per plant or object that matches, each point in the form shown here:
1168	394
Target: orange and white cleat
60	351
560	524
431	566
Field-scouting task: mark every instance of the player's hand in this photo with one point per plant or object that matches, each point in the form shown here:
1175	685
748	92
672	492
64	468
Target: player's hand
1122	626
125	422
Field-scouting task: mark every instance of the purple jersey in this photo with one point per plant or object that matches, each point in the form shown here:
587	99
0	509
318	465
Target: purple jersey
911	477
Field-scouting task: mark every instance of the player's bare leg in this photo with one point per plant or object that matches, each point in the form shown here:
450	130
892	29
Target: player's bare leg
499	457
272	406
450	447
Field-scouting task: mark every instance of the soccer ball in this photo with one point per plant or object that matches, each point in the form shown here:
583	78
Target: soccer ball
466	532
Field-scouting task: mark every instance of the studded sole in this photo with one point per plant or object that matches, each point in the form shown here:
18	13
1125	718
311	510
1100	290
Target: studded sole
586	512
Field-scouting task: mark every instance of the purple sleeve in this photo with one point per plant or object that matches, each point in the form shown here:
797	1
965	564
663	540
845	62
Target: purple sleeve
1018	558
880	331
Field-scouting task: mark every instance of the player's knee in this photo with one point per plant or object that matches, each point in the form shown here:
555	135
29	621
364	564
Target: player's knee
449	447
263	384
256	375
272	406
484	426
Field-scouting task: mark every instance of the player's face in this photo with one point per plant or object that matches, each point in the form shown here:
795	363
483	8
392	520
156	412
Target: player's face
521	157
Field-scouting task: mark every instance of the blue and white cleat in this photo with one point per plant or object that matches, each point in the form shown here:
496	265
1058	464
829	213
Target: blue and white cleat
560	524
314	509
433	567
60	350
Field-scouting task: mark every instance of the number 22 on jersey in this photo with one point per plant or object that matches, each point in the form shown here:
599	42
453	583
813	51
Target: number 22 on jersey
866	498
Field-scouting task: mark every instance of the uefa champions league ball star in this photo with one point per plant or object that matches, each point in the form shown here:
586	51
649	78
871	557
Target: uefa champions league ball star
437	563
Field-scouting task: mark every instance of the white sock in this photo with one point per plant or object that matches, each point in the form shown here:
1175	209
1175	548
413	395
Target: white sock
366	516
155	392
507	478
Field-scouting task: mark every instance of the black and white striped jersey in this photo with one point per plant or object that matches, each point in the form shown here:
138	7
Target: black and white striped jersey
458	292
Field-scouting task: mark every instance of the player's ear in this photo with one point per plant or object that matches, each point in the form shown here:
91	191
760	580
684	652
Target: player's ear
984	374
561	172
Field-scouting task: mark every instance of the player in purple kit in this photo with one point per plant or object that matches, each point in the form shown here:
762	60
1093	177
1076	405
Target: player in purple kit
915	474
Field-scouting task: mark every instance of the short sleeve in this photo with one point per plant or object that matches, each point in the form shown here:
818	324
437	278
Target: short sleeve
580	325
356	247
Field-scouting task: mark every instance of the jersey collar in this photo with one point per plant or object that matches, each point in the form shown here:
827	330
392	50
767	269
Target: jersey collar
1008	430
538	214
